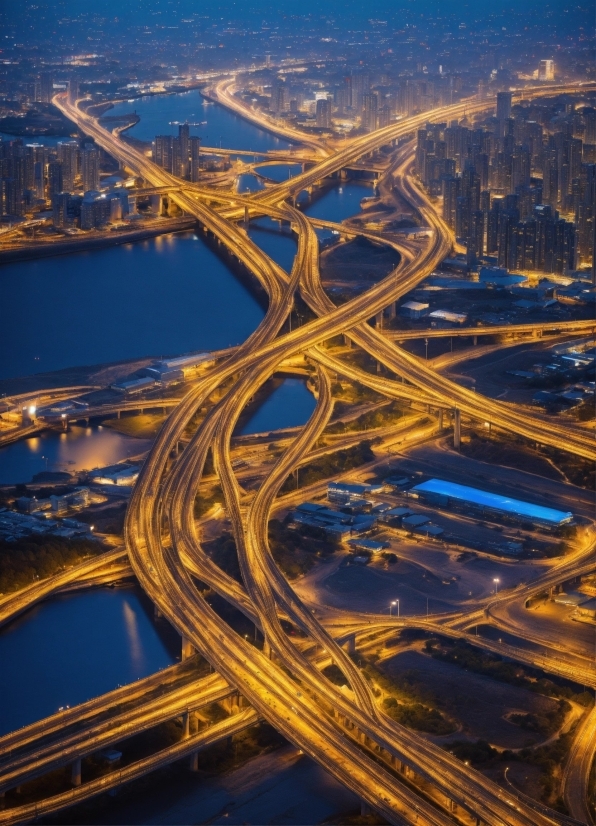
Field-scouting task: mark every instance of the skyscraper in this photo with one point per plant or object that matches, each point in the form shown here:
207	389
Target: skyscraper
68	155
183	137
54	179
503	110
46	87
546	70
90	168
323	113
369	114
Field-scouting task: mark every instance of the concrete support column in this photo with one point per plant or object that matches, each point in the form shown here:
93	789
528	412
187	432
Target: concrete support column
267	649
118	415
347	341
246	217
75	773
440	418
391	311
364	808
65	423
186	725
475	340
156	613
350	644
379	320
457	428
187	649
194	761
378	367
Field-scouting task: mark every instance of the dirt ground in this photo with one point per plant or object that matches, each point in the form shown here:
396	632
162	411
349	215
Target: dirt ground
478	702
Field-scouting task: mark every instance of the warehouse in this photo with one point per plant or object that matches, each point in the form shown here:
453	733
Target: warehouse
437	491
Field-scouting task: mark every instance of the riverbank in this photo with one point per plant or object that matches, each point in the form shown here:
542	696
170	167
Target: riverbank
97	241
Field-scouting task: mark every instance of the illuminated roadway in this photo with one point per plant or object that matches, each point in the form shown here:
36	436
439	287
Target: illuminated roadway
344	731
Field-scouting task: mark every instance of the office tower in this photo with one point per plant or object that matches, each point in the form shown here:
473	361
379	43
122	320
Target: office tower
178	161
162	151
348	90
68	155
384	116
60	217
73	91
90	168
546	70
12	198
46	87
451	190
54	179
323	113
360	88
279	97
194	146
369	113
183	137
503	105
590	127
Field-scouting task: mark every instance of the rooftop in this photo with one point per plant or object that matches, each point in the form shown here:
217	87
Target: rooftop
494	500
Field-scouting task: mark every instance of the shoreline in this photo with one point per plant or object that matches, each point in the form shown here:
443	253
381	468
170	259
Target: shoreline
70	245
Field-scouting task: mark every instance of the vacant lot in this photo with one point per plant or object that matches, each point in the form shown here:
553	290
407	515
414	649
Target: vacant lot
479	703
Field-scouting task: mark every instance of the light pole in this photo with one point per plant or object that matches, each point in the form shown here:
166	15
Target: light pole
496	580
391	604
426	345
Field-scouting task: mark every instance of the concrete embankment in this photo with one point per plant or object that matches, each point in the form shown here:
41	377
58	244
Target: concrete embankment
109	239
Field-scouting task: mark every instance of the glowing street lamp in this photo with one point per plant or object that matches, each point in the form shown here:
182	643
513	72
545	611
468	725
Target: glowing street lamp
496	580
391	604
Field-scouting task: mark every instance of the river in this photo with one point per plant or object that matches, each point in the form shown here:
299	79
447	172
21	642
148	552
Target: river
78	646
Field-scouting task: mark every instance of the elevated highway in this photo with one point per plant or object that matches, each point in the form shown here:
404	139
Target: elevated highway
405	778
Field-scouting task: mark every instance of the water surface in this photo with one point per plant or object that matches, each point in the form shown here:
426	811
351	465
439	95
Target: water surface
76	647
165	296
80	448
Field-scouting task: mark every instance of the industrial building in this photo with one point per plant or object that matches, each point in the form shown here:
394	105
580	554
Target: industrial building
14	525
169	371
442	493
343	493
334	523
121	475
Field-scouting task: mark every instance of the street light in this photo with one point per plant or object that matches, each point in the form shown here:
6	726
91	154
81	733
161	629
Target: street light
391	604
496	580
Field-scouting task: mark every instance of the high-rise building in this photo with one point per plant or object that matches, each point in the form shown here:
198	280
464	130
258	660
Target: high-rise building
11	198
68	155
183	137
546	70
194	147
90	168
46	87
73	91
369	113
323	113
162	151
60	215
503	109
54	179
360	87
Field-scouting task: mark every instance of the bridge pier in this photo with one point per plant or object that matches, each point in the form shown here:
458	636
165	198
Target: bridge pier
379	320
350	644
187	649
75	772
266	649
457	428
440	418
347	341
194	761
475	340
246	216
156	612
65	423
186	725
391	311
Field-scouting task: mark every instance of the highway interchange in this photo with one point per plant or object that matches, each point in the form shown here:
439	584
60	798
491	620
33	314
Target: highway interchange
399	774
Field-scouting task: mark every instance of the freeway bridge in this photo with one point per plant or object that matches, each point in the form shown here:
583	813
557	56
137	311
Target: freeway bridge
402	776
